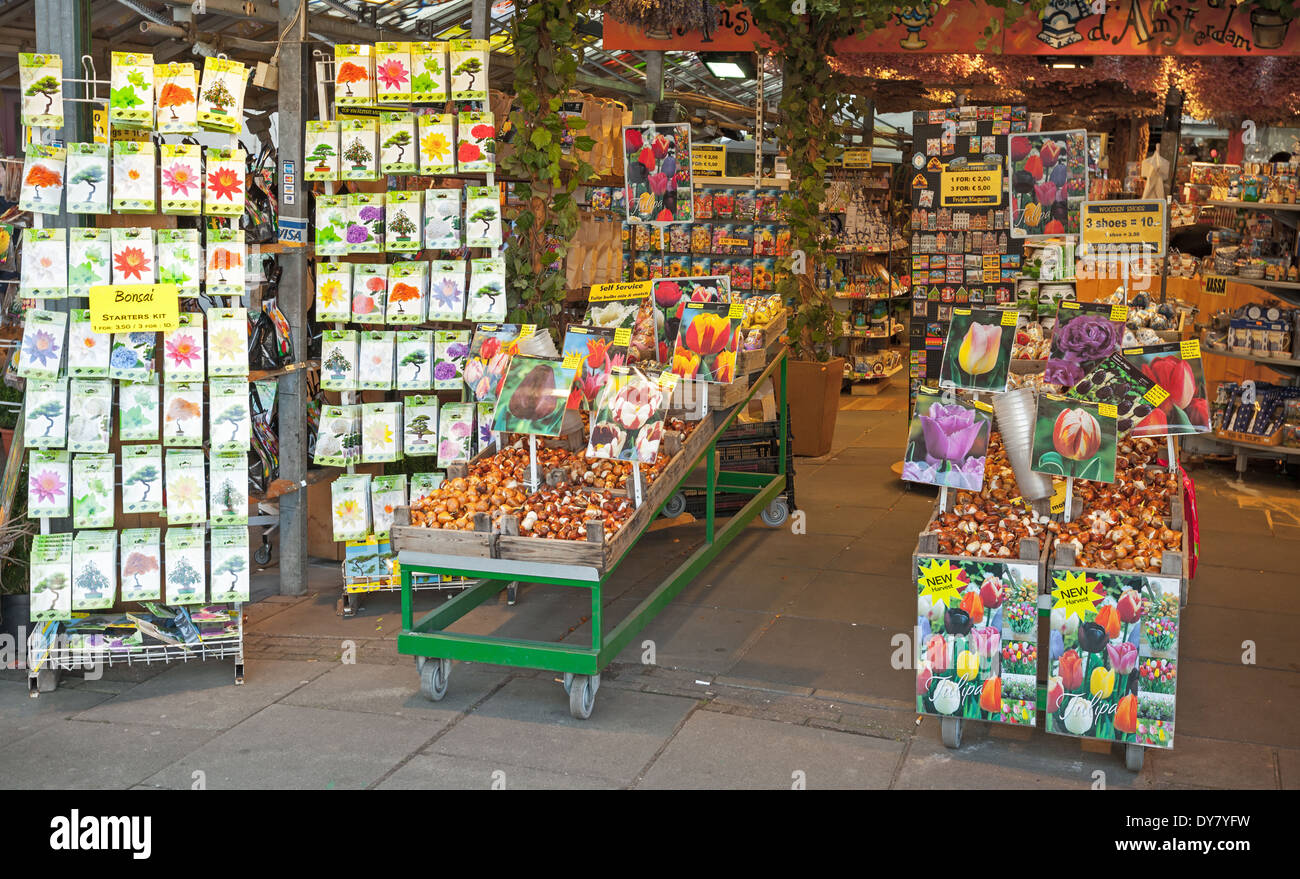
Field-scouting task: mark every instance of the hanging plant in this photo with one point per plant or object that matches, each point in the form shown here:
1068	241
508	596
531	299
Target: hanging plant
664	17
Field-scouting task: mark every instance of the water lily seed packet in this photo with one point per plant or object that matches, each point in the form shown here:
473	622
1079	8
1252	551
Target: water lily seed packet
134	177
44	338
947	442
393	73
223	189
186	485
437	133
49	481
88	351
387	493
442	221
133	255
333	292
227	342
44	273
446	290
182	179
350	506
90	403
375	368
381	432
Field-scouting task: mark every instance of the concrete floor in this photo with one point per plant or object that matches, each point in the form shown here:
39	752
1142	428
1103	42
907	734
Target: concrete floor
773	669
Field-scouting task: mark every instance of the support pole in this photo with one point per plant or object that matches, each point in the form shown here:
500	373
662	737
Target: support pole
654	83
480	19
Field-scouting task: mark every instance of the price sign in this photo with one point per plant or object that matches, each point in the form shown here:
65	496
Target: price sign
708	160
122	308
974	185
858	157
1133	226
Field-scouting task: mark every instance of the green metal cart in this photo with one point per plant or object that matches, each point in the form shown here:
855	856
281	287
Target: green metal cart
435	648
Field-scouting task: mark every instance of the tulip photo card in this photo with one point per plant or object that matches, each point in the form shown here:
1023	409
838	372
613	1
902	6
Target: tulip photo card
142	479
141	555
185	565
947	442
428	72
94	567
320	150
628	423
221	95
333	292
90	403
49	577
1086	333
177	89
442	222
182	179
1074	438
49	477
977	351
407	282
1176	369
223	189
657	162
668	295
534	396
468	64
45	413
402	231
88	351
354	80
90	260
182	407
132	356
44	341
375	366
1049	180
397	146
180	260
597	353
94	489
387	493
414	360
42	191
486	413
87	175
228	498
350	506
44	264
381	432
365	222
338	440
455	433
369	293
230	564
230	427
134	177
331	225
339	354
707	341
476	145
437	133
486	299
483	217
446	290
419	426
450	354
40	81
138	410
186	486
1135	397
133	255
489	355
130	96
359	139
227	341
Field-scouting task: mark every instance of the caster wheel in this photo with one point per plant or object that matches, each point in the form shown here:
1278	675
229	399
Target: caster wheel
676	506
568	682
951	732
433	678
582	695
262	555
1134	756
776	513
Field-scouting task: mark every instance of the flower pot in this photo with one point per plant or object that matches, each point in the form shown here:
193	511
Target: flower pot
1268	28
813	393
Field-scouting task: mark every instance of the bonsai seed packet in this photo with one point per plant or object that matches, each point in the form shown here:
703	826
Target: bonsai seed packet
350	505
90	260
182	414
186	500
183	350
420	426
87	173
42	190
375	369
40	81
424	484
475	142
360	141
131	83
321	151
223	190
407	282
455	432
44	264
49	481
142	479
414	360
230	564
182	179
138	410
177	85
468	64
88	351
221	95
446	290
381	432
1086	333
1176	368
333	292
397	149
442	223
228	498
977	350
338	440
428	72
94	489
534	396
44	340
141	564
947	442
369	292
331	225
227	342
482	216
185	557
94	566
134	180
339	354
90	402
50	577
437	139
387	493
450	353
180	260
393	73
402	233
133	255
45	418
1074	438
487	290
354	81
628	423
230	427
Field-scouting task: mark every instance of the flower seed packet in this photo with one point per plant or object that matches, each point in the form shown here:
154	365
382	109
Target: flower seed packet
369	292
339	354
133	255
182	414
455	432
354	82
414	360
227	342
420	426
487	290
450	352
487	413
88	351
476	145
489	355
424	484
87	174
138	410
132	356
402	231
381	432
350	505
428	72
142	479
365	222
482	217
90	403
90	260
360	141
94	487
468	63
187	497
397	149
977	350
229	425
321	151
387	493
223	189
331	225
338	439
442	223
141	564
44	264
42	190
182	179
221	95
50	577
375	367
130	97
707	341
1176	368
94	570
40	81
437	133
228	499
1136	398
406	292
333	292
134	182
185	559
44	335
180	260
230	564
393	73
446	290
45	413
177	88
49	480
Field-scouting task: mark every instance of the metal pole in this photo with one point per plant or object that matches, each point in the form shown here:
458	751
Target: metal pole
654	81
480	19
293	301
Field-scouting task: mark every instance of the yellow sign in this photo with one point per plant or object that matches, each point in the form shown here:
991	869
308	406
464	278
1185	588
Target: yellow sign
1216	285
1135	225
1076	594
942	582
572	360
1010	317
626	290
1108	410
1156	395
99	125
859	157
622	337
127	308
736	311
1118	313
708	160
974	185
1058	497
1190	349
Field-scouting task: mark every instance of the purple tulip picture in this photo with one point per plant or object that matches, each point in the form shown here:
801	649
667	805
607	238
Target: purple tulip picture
1084	336
946	443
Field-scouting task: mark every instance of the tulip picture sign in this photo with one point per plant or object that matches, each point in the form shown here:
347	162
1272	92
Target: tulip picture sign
947	442
1086	333
977	352
1074	438
1176	368
533	396
707	341
1049	181
658	162
629	418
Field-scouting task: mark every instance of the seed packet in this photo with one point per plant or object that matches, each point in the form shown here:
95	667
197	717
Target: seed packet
468	63
90	402
44	340
331	225
42	190
87	176
360	141
397	147
455	432
321	150
187	496
393	73
450	351
428	72
88	351
134	181
227	342
369	292
226	256
402	231
94	565
50	577
142	482
90	260
350	505
437	133
40	81
442	221
333	291
185	559
475	142
130	98
138	410
482	217
49	480
407	282
414	360
221	95
487	290
338	440
387	493
228	500
534	395
365	219
133	255
628	423
381	432
446	290
489	356
1176	368
230	564
94	481
183	414
229	426
44	264
180	260
420	426
132	356
223	191
486	413
424	484
141	564
177	87
45	414
182	179
375	368
354	82
339	353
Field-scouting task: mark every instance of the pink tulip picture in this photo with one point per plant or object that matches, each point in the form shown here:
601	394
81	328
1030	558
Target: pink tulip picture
977	351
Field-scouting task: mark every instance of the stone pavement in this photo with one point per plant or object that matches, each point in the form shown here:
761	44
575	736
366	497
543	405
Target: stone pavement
772	669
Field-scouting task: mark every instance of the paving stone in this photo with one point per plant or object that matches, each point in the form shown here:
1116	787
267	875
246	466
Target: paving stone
395	690
21	715
1216	634
1288	766
1255	552
872	599
74	754
439	772
1213	763
746	586
1236	703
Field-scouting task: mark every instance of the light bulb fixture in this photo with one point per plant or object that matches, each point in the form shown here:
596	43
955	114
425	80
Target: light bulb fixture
729	65
1067	62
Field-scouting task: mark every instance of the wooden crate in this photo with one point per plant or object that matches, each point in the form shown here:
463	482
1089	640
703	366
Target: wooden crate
1173	563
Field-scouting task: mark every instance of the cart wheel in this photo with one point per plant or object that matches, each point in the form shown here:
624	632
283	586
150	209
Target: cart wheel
433	678
582	695
568	682
951	730
676	505
1133	757
775	513
262	555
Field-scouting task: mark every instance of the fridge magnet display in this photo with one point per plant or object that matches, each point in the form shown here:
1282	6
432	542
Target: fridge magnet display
947	442
393	72
186	486
657	161
45	414
1085	334
381	429
134	180
132	357
428	72
353	75
707	341
223	191
375	366
397	147
183	350
90	260
446	290
437	132
369	292
142	479
489	355
44	273
94	565
331	225
88	351
1178	370
442	223
90	403
321	150
629	420
227	342
333	291
338	441
350	506
1049	180
420	426
42	190
180	260
133	255
94	490
414	360
230	564
182	414
138	410
450	352
360	141
533	396
221	95
482	217
40	81
49	480
228	498
468	63
476	145
455	433
49	577
402	230
182	179
131	84
229	424
487	290
44	340
1074	438
365	219
185	565
177	91
141	557
597	354
87	174
977	351
339	354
